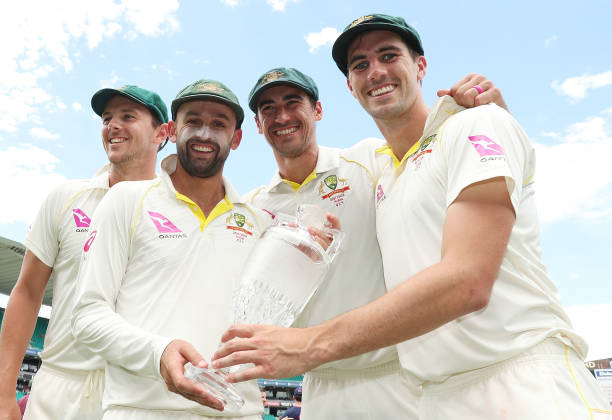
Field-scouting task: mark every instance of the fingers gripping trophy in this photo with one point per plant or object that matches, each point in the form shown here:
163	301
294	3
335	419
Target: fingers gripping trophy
283	272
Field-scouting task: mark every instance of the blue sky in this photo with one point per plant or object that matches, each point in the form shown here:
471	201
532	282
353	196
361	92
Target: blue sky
551	60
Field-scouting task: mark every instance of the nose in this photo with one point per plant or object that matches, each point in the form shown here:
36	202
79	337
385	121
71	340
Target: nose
281	116
203	132
375	71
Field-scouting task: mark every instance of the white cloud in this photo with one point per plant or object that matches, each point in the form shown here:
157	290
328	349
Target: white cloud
279	5
230	3
577	87
42	133
573	175
592	322
111	81
44	31
550	40
77	106
28	175
327	36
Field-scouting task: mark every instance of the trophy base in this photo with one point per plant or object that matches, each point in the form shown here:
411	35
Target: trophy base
214	382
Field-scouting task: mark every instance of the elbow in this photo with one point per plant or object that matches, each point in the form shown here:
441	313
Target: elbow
479	286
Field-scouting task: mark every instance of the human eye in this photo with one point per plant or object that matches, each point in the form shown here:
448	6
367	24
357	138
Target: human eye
106	120
360	65
219	124
388	56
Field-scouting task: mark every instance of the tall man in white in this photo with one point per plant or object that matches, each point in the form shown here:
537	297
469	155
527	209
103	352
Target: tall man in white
287	108
160	266
70	381
478	321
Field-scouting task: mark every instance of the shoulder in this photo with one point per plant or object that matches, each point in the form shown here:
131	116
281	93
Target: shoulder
252	195
364	149
486	113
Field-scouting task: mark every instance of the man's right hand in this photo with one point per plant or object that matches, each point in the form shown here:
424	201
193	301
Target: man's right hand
9	410
172	367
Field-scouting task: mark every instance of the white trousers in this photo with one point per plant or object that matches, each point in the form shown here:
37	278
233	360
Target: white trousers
67	395
549	382
380	392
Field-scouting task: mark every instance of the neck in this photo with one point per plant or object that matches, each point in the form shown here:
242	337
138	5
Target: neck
297	169
205	192
131	171
401	133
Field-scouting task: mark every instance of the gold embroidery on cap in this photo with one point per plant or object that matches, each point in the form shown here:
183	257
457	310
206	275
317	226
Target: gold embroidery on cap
361	19
270	77
209	87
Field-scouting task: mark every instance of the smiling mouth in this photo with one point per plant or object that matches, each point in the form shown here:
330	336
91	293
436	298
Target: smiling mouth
285	131
202	148
116	140
382	90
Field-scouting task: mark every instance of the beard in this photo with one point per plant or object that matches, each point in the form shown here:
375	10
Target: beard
198	167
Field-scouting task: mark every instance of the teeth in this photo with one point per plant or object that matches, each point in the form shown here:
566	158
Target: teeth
382	90
202	148
116	140
285	131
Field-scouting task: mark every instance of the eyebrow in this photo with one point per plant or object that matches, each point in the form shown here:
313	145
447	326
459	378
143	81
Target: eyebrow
284	98
217	115
378	51
121	110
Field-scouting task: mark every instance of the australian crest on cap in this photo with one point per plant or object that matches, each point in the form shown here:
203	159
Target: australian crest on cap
359	20
124	87
271	76
209	87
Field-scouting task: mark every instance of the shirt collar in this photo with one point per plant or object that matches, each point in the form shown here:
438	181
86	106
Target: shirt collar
328	159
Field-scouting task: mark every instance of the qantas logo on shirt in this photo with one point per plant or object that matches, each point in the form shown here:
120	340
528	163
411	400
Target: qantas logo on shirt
165	226
485	146
81	219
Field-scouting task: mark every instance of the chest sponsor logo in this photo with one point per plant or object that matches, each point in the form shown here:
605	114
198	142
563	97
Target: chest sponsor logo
240	226
165	227
423	150
485	146
90	241
380	194
334	188
81	220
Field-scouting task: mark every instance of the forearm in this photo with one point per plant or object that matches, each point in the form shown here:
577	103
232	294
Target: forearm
17	329
104	332
426	301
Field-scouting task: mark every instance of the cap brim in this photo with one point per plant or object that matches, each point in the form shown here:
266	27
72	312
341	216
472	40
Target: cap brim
257	94
209	97
342	43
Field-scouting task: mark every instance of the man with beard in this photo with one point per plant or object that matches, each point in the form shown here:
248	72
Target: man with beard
160	266
477	319
287	108
70	381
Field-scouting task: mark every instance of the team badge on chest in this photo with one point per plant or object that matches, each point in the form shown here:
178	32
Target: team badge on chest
240	226
423	150
334	188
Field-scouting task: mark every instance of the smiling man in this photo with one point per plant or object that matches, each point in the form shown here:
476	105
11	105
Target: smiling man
475	317
70	381
161	264
287	109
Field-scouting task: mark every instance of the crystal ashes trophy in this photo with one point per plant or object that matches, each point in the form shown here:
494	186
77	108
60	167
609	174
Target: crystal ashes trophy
282	273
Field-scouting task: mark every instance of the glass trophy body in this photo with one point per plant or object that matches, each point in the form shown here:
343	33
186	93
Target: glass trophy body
282	273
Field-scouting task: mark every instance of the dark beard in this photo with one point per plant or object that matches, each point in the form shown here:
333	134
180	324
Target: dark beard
200	170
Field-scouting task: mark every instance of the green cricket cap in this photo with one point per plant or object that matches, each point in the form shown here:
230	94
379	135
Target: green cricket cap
210	90
282	76
370	23
142	96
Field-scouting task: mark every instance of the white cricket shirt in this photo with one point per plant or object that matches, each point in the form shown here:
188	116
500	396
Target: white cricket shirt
343	184
412	198
155	269
56	237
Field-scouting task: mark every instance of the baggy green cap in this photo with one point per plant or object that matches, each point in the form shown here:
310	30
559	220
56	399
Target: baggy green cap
282	76
370	23
144	97
211	90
